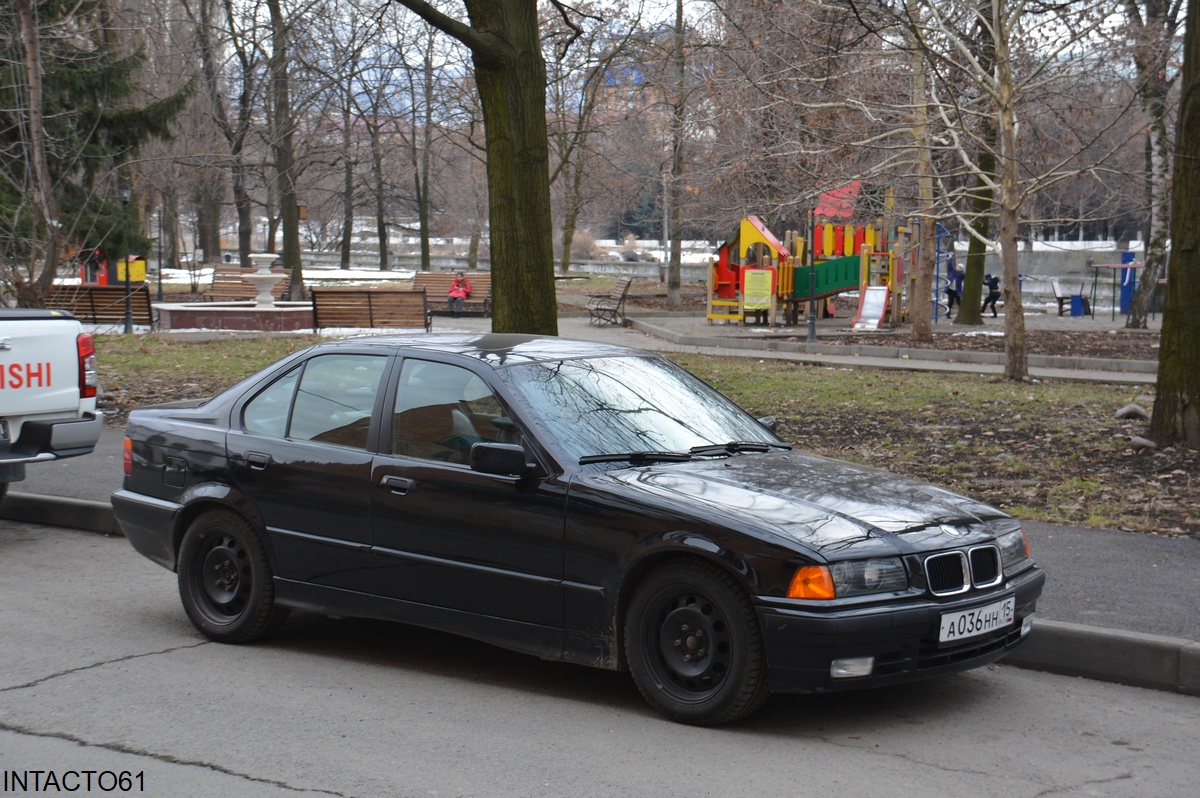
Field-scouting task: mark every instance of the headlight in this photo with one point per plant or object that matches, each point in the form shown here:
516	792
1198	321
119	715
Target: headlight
853	578
859	577
1014	548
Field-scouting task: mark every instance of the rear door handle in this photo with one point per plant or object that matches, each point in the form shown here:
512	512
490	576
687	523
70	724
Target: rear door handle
398	485
258	460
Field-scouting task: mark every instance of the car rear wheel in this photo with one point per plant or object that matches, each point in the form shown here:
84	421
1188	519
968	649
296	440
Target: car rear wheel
693	645
225	579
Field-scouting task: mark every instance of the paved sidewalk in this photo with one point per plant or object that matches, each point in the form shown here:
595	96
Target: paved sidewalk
1118	606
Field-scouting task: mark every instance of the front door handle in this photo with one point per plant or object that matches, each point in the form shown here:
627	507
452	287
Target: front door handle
258	461
398	485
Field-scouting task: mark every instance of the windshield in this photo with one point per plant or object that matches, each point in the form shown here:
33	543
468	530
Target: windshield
627	404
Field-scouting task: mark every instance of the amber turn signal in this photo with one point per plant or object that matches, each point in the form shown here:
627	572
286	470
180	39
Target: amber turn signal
812	582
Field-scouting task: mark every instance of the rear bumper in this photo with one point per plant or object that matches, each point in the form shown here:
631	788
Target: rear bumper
148	524
801	645
49	440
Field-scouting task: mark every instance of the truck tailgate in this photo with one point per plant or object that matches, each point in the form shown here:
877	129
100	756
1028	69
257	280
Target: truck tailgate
39	368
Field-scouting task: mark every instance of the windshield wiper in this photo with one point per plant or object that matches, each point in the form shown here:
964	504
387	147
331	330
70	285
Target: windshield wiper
736	447
636	458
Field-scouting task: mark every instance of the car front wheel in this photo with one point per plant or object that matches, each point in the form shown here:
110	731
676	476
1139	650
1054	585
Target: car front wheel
225	579
693	645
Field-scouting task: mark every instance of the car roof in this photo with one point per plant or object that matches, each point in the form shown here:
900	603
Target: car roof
495	349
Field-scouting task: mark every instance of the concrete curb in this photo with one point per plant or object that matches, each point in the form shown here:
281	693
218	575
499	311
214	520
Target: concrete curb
34	508
1110	655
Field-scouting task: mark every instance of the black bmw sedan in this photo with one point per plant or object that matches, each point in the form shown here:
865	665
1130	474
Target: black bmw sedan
576	501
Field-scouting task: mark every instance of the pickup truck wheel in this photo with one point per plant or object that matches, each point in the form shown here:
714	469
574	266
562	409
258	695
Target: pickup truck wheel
225	579
693	645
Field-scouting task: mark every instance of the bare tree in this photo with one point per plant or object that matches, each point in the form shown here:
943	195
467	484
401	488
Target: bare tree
1037	54
233	93
580	61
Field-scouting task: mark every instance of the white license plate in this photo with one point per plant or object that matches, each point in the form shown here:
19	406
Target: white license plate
979	621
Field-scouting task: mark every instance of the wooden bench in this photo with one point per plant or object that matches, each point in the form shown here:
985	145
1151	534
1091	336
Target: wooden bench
104	304
1065	299
610	308
358	307
437	286
228	285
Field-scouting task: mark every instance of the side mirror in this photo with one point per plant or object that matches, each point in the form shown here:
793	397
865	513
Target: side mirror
502	459
768	422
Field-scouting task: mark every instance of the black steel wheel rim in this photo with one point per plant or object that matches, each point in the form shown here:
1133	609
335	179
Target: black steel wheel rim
691	647
223	575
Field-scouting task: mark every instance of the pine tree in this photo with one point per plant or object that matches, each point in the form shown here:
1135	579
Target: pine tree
67	126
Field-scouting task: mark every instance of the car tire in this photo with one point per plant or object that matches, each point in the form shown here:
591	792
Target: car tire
3	490
693	645
225	579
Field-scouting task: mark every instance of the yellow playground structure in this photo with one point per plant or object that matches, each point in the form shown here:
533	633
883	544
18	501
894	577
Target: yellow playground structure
755	275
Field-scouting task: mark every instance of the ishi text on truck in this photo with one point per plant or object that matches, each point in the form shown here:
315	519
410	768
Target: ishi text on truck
48	388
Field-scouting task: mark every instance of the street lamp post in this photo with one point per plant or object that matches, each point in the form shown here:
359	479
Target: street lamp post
125	193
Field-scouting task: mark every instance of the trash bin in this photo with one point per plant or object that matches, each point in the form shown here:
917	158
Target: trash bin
1077	308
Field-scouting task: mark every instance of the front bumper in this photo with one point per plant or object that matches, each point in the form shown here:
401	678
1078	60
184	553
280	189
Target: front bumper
802	643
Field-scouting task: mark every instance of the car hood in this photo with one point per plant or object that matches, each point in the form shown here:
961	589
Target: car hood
826	505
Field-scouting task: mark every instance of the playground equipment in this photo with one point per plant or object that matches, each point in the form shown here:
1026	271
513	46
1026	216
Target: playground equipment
744	277
755	274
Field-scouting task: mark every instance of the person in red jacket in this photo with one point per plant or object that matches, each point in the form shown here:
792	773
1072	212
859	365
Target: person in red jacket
460	289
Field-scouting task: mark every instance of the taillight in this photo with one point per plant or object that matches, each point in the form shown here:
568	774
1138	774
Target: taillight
87	365
127	456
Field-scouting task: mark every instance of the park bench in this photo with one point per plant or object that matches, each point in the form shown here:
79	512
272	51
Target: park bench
437	286
228	284
362	307
104	304
610	308
1064	300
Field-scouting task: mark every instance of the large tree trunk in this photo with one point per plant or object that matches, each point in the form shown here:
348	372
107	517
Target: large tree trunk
209	200
678	110
511	75
347	179
571	206
1156	243
510	72
920	308
1150	51
381	222
1016	354
422	168
1176	417
970	309
284	151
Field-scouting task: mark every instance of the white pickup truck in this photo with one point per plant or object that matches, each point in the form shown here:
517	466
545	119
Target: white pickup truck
47	390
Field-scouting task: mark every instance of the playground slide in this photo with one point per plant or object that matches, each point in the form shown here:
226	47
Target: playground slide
872	305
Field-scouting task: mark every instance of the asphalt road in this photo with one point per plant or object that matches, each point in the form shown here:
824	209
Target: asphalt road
100	671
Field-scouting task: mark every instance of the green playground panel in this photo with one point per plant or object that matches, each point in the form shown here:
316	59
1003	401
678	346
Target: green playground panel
833	277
